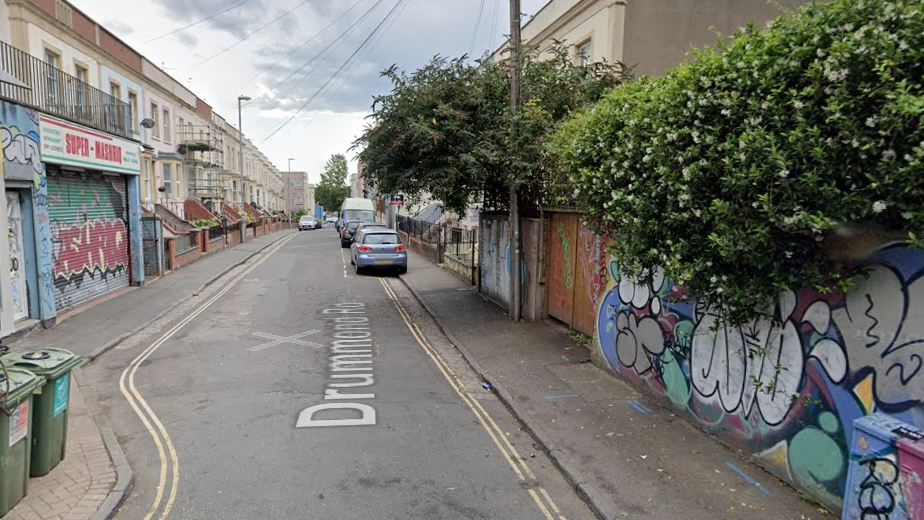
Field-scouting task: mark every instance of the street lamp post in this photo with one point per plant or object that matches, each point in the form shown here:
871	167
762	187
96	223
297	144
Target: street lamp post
240	135
290	163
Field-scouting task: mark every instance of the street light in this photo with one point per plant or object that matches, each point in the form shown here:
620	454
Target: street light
290	163
240	135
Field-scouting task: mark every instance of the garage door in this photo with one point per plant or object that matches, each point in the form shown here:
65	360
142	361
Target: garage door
89	236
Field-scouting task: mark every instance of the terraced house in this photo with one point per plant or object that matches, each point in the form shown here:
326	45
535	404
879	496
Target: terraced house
100	147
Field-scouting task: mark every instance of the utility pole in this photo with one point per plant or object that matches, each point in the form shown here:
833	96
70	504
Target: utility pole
515	281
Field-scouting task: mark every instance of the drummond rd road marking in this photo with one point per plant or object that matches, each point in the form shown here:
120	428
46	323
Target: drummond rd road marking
349	366
279	340
156	429
525	475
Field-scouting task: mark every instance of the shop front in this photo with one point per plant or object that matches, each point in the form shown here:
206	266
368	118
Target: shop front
93	211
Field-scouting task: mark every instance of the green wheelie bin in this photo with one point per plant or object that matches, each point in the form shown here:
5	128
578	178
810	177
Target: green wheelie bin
49	426
16	387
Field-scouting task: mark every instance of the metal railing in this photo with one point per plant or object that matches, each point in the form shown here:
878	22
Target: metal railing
53	91
186	243
216	232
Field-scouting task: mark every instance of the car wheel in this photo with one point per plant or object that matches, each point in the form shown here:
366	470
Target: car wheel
402	269
351	261
359	270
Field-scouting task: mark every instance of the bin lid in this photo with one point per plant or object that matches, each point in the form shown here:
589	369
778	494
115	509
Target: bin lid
16	384
49	363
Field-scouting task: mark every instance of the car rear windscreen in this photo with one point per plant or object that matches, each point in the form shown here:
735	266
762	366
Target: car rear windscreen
381	238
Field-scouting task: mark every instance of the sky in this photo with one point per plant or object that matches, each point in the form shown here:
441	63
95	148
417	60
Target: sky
311	67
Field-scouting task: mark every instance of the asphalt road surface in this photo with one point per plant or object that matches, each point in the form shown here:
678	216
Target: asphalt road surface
293	388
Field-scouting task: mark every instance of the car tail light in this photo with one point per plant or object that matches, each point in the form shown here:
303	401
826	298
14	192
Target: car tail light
399	248
364	249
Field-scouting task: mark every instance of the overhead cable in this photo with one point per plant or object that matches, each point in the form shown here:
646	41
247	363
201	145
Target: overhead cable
315	37
337	73
245	38
171	33
328	95
322	53
471	48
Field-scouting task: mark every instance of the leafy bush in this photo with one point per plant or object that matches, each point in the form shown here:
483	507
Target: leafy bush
734	171
447	130
205	223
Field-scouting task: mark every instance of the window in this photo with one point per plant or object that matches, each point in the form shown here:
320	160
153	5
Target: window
133	106
298	185
583	54
181	126
156	117
115	90
148	181
83	75
299	200
166	125
53	59
168	179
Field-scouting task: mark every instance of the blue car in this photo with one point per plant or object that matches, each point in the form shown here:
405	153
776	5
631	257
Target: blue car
378	248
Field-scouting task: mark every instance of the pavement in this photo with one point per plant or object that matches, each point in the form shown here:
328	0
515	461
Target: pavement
626	456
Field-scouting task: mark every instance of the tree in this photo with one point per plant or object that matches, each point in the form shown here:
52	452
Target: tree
332	189
446	128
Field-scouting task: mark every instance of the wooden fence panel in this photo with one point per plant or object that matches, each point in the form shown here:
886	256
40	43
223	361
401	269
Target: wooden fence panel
560	277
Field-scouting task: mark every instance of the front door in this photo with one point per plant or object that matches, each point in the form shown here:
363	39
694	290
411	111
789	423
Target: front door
17	260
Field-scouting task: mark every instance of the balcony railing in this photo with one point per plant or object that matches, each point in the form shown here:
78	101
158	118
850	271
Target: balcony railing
55	92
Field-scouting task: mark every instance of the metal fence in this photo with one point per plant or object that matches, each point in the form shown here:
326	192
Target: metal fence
186	243
53	91
444	243
216	233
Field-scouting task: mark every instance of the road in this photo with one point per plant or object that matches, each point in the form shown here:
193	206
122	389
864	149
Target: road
293	388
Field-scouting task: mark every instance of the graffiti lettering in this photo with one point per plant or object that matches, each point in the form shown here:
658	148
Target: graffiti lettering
882	325
21	148
876	498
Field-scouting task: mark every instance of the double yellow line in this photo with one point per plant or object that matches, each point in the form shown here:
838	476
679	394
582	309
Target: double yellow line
525	475
169	462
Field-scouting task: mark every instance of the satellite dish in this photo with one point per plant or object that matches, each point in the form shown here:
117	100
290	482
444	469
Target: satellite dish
182	149
147	123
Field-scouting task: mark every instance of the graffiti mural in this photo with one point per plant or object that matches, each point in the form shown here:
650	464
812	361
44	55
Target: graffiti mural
786	389
89	236
19	133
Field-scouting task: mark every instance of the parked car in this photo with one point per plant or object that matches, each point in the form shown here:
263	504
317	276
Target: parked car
380	248
347	232
366	225
307	222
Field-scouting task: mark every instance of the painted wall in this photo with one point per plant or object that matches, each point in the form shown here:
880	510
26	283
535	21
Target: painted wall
786	393
22	161
126	85
494	270
39	40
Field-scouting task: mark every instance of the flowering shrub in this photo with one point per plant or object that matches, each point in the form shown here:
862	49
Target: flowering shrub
734	171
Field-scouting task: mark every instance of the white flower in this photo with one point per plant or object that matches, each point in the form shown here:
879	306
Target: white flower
879	206
798	104
784	173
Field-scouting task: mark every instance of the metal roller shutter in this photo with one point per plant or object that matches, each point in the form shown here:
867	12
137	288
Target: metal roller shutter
89	236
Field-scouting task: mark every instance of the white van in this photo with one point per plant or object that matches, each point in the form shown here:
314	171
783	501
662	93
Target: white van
354	208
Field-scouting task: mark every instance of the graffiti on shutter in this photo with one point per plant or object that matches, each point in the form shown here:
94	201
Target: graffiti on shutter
89	236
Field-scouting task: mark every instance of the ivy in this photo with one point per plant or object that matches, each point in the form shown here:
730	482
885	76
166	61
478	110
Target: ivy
735	172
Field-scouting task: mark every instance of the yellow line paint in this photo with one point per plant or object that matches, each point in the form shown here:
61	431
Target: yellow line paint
494	431
158	432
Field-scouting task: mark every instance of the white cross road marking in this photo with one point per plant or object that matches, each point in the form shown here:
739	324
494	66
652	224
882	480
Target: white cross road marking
279	340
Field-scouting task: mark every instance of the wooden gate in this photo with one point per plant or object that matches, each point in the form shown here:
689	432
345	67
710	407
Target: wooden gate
576	273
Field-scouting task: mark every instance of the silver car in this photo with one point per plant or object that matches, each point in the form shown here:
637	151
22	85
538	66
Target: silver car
378	247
